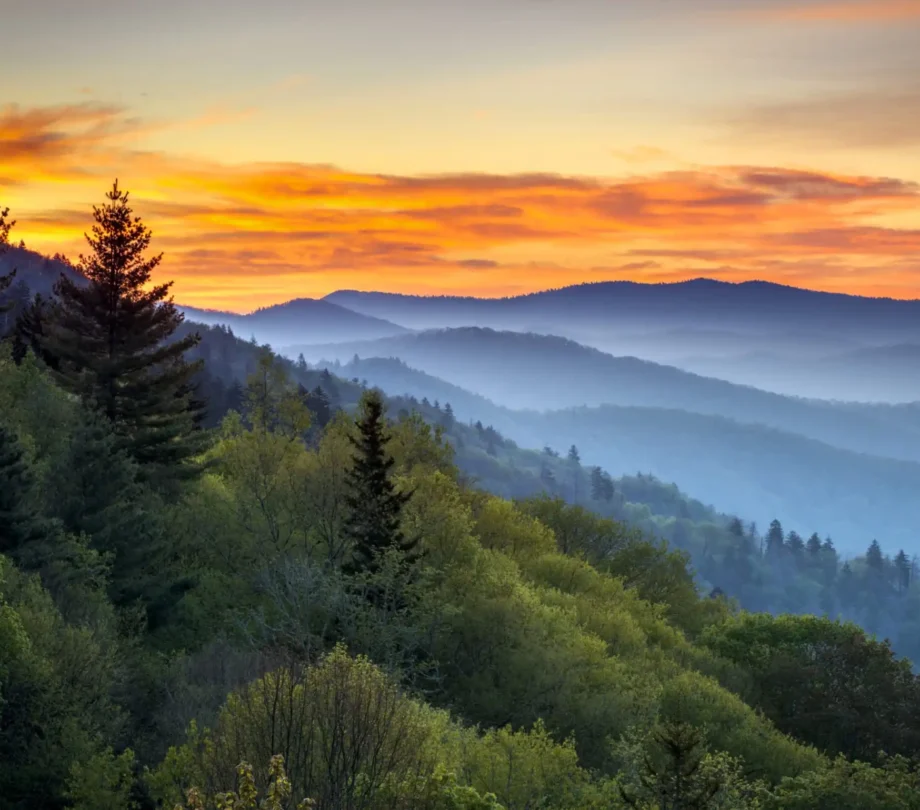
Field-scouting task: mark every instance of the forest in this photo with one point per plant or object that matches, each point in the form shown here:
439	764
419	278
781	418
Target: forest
229	580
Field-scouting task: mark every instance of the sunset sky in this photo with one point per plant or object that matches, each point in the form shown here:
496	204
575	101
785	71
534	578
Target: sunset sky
289	148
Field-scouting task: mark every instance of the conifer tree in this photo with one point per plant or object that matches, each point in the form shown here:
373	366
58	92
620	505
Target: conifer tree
6	226
676	781
814	545
20	524
903	568
30	333
374	504
114	342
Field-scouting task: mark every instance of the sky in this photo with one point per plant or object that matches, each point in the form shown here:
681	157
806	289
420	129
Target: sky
290	148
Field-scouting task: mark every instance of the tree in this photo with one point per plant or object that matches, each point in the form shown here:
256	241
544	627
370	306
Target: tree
374	504
319	405
814	546
30	333
775	540
20	523
114	341
5	227
674	774
903	568
825	683
874	558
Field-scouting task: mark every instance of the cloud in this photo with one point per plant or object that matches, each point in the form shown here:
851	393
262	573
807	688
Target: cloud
880	117
842	11
278	230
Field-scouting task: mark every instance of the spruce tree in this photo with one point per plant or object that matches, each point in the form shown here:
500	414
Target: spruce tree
6	226
20	524
30	333
113	339
374	505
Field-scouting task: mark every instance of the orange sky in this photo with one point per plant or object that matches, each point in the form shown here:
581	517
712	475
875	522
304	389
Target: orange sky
755	139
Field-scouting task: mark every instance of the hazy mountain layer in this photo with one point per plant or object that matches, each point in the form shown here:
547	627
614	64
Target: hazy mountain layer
745	469
538	372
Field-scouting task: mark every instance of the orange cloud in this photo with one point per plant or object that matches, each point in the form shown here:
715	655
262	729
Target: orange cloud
856	11
243	236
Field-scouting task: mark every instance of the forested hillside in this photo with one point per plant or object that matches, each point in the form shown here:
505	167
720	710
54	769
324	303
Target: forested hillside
219	571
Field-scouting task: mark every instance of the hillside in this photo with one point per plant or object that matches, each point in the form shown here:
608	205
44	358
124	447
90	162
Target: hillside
540	372
616	307
751	470
868	374
300	320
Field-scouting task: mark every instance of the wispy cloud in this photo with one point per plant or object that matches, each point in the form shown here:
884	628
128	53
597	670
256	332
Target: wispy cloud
884	117
251	234
842	11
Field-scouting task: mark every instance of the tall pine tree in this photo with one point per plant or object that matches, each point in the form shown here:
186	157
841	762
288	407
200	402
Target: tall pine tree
6	226
374	504
20	523
113	341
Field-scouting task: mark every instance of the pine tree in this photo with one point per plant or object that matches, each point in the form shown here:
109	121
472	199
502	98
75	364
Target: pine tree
319	405
30	333
775	540
448	419
902	566
874	558
796	545
5	227
677	781
814	546
113	340
374	505
20	524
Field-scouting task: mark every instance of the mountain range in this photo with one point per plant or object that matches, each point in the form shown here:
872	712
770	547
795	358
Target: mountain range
549	369
749	469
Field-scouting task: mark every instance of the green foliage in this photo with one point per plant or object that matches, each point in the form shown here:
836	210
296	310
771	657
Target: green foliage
56	684
105	782
343	728
111	339
246	797
374	504
535	654
851	786
825	682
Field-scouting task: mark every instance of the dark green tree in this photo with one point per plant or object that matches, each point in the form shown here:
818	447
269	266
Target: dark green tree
672	776
374	504
30	333
6	226
20	522
903	569
775	540
114	341
814	546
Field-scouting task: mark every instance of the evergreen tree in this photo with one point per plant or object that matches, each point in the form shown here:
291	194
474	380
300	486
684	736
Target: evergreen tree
902	567
113	340
374	504
5	227
30	333
736	528
319	405
448	419
574	457
672	778
20	523
874	558
775	540
814	546
796	545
